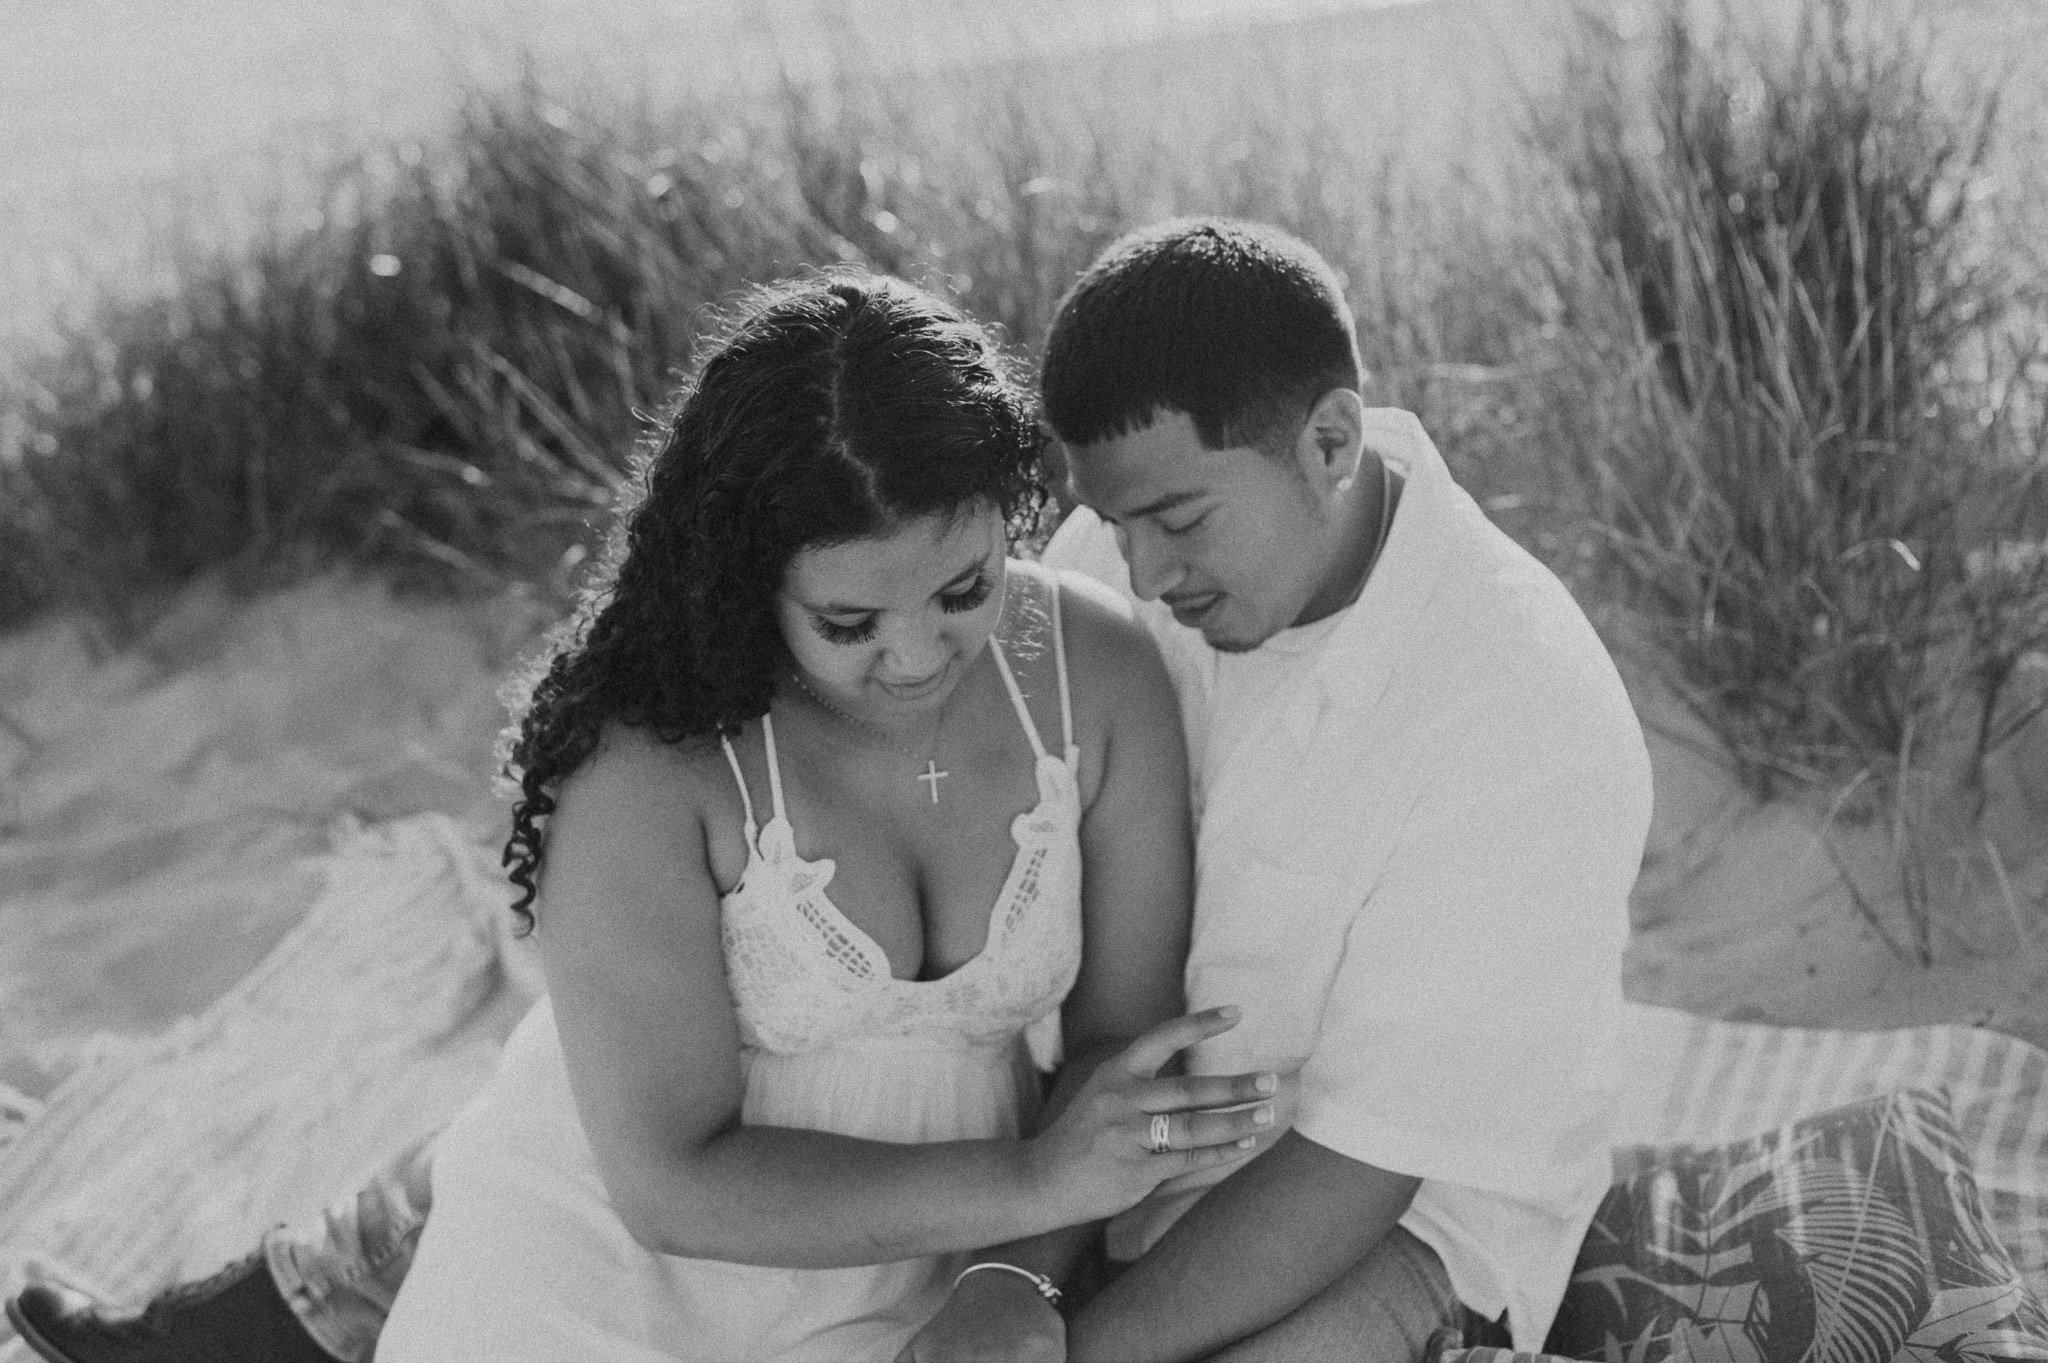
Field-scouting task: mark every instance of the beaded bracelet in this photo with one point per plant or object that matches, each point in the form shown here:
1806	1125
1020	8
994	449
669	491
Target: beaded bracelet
1038	1280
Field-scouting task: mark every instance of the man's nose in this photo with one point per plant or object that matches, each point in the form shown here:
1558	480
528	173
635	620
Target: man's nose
1153	568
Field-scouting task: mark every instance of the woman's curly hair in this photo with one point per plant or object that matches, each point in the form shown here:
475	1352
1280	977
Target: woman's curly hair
828	408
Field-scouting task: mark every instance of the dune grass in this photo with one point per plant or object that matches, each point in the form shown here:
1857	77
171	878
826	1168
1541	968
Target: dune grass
1829	446
438	378
1813	446
1730	337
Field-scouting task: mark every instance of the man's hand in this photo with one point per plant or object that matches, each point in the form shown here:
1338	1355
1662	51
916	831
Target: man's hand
991	1317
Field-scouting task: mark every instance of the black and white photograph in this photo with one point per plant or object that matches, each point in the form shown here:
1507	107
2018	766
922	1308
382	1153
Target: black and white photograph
1046	681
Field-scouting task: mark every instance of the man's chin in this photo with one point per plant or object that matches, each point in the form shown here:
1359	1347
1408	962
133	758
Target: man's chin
1230	643
1223	629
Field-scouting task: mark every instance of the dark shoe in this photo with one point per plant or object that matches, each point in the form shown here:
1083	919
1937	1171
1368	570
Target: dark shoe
237	1314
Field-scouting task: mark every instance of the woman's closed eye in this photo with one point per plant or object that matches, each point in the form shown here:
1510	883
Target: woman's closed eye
1186	527
833	632
969	597
862	630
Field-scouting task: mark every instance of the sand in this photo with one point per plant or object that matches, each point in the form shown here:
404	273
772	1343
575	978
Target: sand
1793	912
153	802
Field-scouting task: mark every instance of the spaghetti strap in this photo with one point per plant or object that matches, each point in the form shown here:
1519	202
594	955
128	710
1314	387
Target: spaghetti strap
774	767
1059	658
746	800
995	647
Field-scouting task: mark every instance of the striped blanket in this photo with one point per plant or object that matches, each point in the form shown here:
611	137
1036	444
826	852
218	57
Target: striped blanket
1694	1081
370	1021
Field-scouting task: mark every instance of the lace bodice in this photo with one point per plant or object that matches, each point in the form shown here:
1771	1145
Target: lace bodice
804	976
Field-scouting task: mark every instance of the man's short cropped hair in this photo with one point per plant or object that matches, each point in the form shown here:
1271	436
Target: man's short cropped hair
1239	325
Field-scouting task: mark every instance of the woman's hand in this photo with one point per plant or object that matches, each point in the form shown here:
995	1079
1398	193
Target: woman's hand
1100	1155
990	1318
1286	1105
1132	1232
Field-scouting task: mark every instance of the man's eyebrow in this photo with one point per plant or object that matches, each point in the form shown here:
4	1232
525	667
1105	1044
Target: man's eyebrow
1159	504
953	583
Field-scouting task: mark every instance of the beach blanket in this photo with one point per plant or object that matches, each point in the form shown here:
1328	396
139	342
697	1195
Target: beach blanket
375	1018
1695	1081
366	1028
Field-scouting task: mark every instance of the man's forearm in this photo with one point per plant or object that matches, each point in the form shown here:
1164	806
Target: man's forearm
1261	1243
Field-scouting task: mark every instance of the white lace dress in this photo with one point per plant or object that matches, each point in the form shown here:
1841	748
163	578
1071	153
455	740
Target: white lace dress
523	1258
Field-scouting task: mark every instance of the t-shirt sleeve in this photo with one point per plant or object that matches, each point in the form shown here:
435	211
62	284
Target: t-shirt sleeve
1469	1031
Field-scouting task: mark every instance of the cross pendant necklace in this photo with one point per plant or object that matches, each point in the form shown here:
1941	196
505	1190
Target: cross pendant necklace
932	773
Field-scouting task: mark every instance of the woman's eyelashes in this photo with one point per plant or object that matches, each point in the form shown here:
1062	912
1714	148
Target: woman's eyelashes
834	633
967	598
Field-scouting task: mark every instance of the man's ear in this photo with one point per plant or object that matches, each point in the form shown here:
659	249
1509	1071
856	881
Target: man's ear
1332	442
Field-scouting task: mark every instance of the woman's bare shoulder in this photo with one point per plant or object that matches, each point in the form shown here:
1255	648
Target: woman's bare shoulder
649	806
1114	668
1104	639
1103	598
632	762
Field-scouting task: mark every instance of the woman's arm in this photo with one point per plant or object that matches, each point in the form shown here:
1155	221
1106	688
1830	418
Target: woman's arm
630	939
1137	852
1136	895
1137	836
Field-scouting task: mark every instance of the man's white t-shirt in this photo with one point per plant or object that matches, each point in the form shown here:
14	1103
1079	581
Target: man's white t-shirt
1418	824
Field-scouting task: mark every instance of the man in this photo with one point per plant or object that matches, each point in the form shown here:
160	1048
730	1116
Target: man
1421	799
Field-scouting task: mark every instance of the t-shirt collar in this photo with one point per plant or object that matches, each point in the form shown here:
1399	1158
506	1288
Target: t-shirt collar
1375	631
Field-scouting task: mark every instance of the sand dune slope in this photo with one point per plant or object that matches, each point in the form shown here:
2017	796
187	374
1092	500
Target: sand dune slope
154	800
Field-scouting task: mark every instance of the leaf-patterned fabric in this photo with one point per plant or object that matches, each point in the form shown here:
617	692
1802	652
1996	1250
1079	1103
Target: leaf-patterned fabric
1856	1236
1697	1081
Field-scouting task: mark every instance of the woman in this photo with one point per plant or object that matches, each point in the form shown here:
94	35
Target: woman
824	802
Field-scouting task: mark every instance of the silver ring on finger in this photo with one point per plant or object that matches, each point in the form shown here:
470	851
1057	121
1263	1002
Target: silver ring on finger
1160	1139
